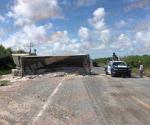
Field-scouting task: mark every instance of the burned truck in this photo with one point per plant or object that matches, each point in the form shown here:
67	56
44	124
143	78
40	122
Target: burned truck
32	65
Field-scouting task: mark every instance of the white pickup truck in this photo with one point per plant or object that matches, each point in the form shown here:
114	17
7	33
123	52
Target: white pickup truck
117	68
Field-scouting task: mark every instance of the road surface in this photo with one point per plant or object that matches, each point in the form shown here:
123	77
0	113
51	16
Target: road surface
76	100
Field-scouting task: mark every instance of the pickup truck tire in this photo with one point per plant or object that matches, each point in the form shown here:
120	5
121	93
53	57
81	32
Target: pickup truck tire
112	74
106	71
129	75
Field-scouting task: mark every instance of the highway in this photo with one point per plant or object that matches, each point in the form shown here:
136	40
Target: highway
77	100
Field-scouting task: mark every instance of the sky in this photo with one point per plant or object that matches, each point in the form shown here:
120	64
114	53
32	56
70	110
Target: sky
68	27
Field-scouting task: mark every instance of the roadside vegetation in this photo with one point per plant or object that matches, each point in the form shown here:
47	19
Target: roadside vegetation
132	61
6	61
4	82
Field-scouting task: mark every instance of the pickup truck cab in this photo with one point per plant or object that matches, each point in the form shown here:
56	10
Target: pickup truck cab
117	68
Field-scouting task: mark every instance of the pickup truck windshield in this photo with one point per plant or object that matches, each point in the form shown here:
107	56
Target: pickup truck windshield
119	63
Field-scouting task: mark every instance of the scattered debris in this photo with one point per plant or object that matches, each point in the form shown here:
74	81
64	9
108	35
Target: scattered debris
60	74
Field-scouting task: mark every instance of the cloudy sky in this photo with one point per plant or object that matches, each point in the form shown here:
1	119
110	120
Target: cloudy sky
60	27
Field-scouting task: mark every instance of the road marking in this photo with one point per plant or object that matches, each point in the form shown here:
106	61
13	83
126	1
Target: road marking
47	102
141	102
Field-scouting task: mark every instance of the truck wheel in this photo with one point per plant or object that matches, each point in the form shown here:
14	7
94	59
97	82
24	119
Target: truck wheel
129	75
112	74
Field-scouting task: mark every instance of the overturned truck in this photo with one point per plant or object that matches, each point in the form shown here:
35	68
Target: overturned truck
32	65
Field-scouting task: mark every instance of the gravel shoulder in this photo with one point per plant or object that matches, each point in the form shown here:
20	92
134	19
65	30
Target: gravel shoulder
21	101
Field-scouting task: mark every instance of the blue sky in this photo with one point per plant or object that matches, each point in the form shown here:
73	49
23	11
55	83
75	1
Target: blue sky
65	27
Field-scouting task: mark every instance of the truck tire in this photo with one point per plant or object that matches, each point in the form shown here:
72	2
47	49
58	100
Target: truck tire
129	75
112	74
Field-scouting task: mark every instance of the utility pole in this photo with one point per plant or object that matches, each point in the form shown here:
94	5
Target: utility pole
35	50
30	45
30	48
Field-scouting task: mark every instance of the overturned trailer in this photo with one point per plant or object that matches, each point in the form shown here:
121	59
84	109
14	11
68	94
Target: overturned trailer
32	65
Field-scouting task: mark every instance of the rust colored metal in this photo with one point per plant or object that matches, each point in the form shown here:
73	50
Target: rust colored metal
30	65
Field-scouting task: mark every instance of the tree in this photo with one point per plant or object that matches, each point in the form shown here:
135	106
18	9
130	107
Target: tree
19	51
5	52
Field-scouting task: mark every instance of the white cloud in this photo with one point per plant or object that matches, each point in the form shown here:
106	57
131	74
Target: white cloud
98	19
62	44
83	33
100	37
34	33
121	24
58	43
136	4
122	42
29	33
97	36
143	38
100	33
48	26
85	2
2	18
29	11
59	36
2	32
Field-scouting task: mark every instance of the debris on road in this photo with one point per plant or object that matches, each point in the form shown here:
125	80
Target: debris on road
60	74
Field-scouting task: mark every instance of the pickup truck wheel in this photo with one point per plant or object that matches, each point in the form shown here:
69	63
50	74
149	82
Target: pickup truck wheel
129	75
112	74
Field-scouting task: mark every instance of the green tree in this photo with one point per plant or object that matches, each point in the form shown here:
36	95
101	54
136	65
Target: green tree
5	52
19	51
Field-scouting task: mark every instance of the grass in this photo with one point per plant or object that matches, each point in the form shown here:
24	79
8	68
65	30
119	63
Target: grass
4	83
135	71
5	71
147	72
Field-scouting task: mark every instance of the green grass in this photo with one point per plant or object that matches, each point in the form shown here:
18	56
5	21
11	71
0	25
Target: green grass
135	71
147	72
4	83
101	61
5	71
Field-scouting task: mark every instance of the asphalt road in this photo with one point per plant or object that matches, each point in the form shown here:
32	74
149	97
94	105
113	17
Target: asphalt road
77	100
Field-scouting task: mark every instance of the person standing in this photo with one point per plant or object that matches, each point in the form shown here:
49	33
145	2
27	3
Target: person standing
141	70
114	57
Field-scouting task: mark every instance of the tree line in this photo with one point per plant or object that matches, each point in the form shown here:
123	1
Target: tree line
133	60
6	61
